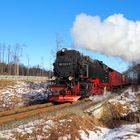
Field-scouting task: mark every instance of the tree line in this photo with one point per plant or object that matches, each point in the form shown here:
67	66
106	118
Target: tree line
10	62
134	73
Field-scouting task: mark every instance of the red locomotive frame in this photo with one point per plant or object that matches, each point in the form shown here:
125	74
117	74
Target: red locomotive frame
71	94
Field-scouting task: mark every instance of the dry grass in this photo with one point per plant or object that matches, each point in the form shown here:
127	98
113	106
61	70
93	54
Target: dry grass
127	137
108	116
138	96
6	83
71	126
112	115
64	125
138	129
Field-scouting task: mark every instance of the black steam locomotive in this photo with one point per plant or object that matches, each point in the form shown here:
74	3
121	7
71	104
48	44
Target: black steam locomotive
76	76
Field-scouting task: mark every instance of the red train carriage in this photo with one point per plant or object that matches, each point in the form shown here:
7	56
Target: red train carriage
116	79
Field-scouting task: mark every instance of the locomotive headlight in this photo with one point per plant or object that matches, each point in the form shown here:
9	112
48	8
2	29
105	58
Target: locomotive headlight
71	78
63	50
54	78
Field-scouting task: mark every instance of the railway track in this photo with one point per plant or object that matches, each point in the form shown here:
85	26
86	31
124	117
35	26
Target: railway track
23	109
21	113
25	112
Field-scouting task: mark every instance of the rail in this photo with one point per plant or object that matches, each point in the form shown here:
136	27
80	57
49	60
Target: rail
21	113
25	112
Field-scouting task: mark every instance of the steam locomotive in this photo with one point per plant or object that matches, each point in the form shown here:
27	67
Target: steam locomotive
77	76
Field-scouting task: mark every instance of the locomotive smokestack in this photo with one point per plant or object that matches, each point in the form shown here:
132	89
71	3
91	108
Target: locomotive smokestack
114	36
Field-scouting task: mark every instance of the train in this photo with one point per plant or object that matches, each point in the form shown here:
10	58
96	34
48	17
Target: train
76	76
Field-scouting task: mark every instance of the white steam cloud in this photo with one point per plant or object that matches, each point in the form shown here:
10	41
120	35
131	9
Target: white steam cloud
114	36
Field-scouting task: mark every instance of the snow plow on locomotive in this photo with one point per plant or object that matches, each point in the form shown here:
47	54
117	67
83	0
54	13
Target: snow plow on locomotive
77	76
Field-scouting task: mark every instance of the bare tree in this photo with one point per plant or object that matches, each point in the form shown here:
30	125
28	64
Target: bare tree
51	61
3	58
3	53
9	59
28	67
53	53
58	41
134	73
42	66
17	53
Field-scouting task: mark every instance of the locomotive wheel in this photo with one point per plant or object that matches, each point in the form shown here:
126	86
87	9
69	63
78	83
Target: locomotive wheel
86	87
100	92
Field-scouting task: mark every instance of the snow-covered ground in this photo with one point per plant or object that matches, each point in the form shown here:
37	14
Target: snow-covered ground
68	127
22	94
38	129
125	132
31	131
128	102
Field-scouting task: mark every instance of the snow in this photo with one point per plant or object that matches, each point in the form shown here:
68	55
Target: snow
127	100
32	128
125	132
130	104
28	128
22	94
48	124
3	136
61	121
66	137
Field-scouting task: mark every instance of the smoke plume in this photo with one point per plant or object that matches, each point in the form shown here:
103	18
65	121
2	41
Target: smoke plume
114	36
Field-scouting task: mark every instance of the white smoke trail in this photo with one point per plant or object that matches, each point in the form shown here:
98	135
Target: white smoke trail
114	36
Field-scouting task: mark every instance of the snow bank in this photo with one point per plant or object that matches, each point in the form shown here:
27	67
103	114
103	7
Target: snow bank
124	132
22	94
27	129
128	101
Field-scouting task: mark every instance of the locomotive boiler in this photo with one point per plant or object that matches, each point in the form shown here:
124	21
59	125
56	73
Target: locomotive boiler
78	76
70	64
